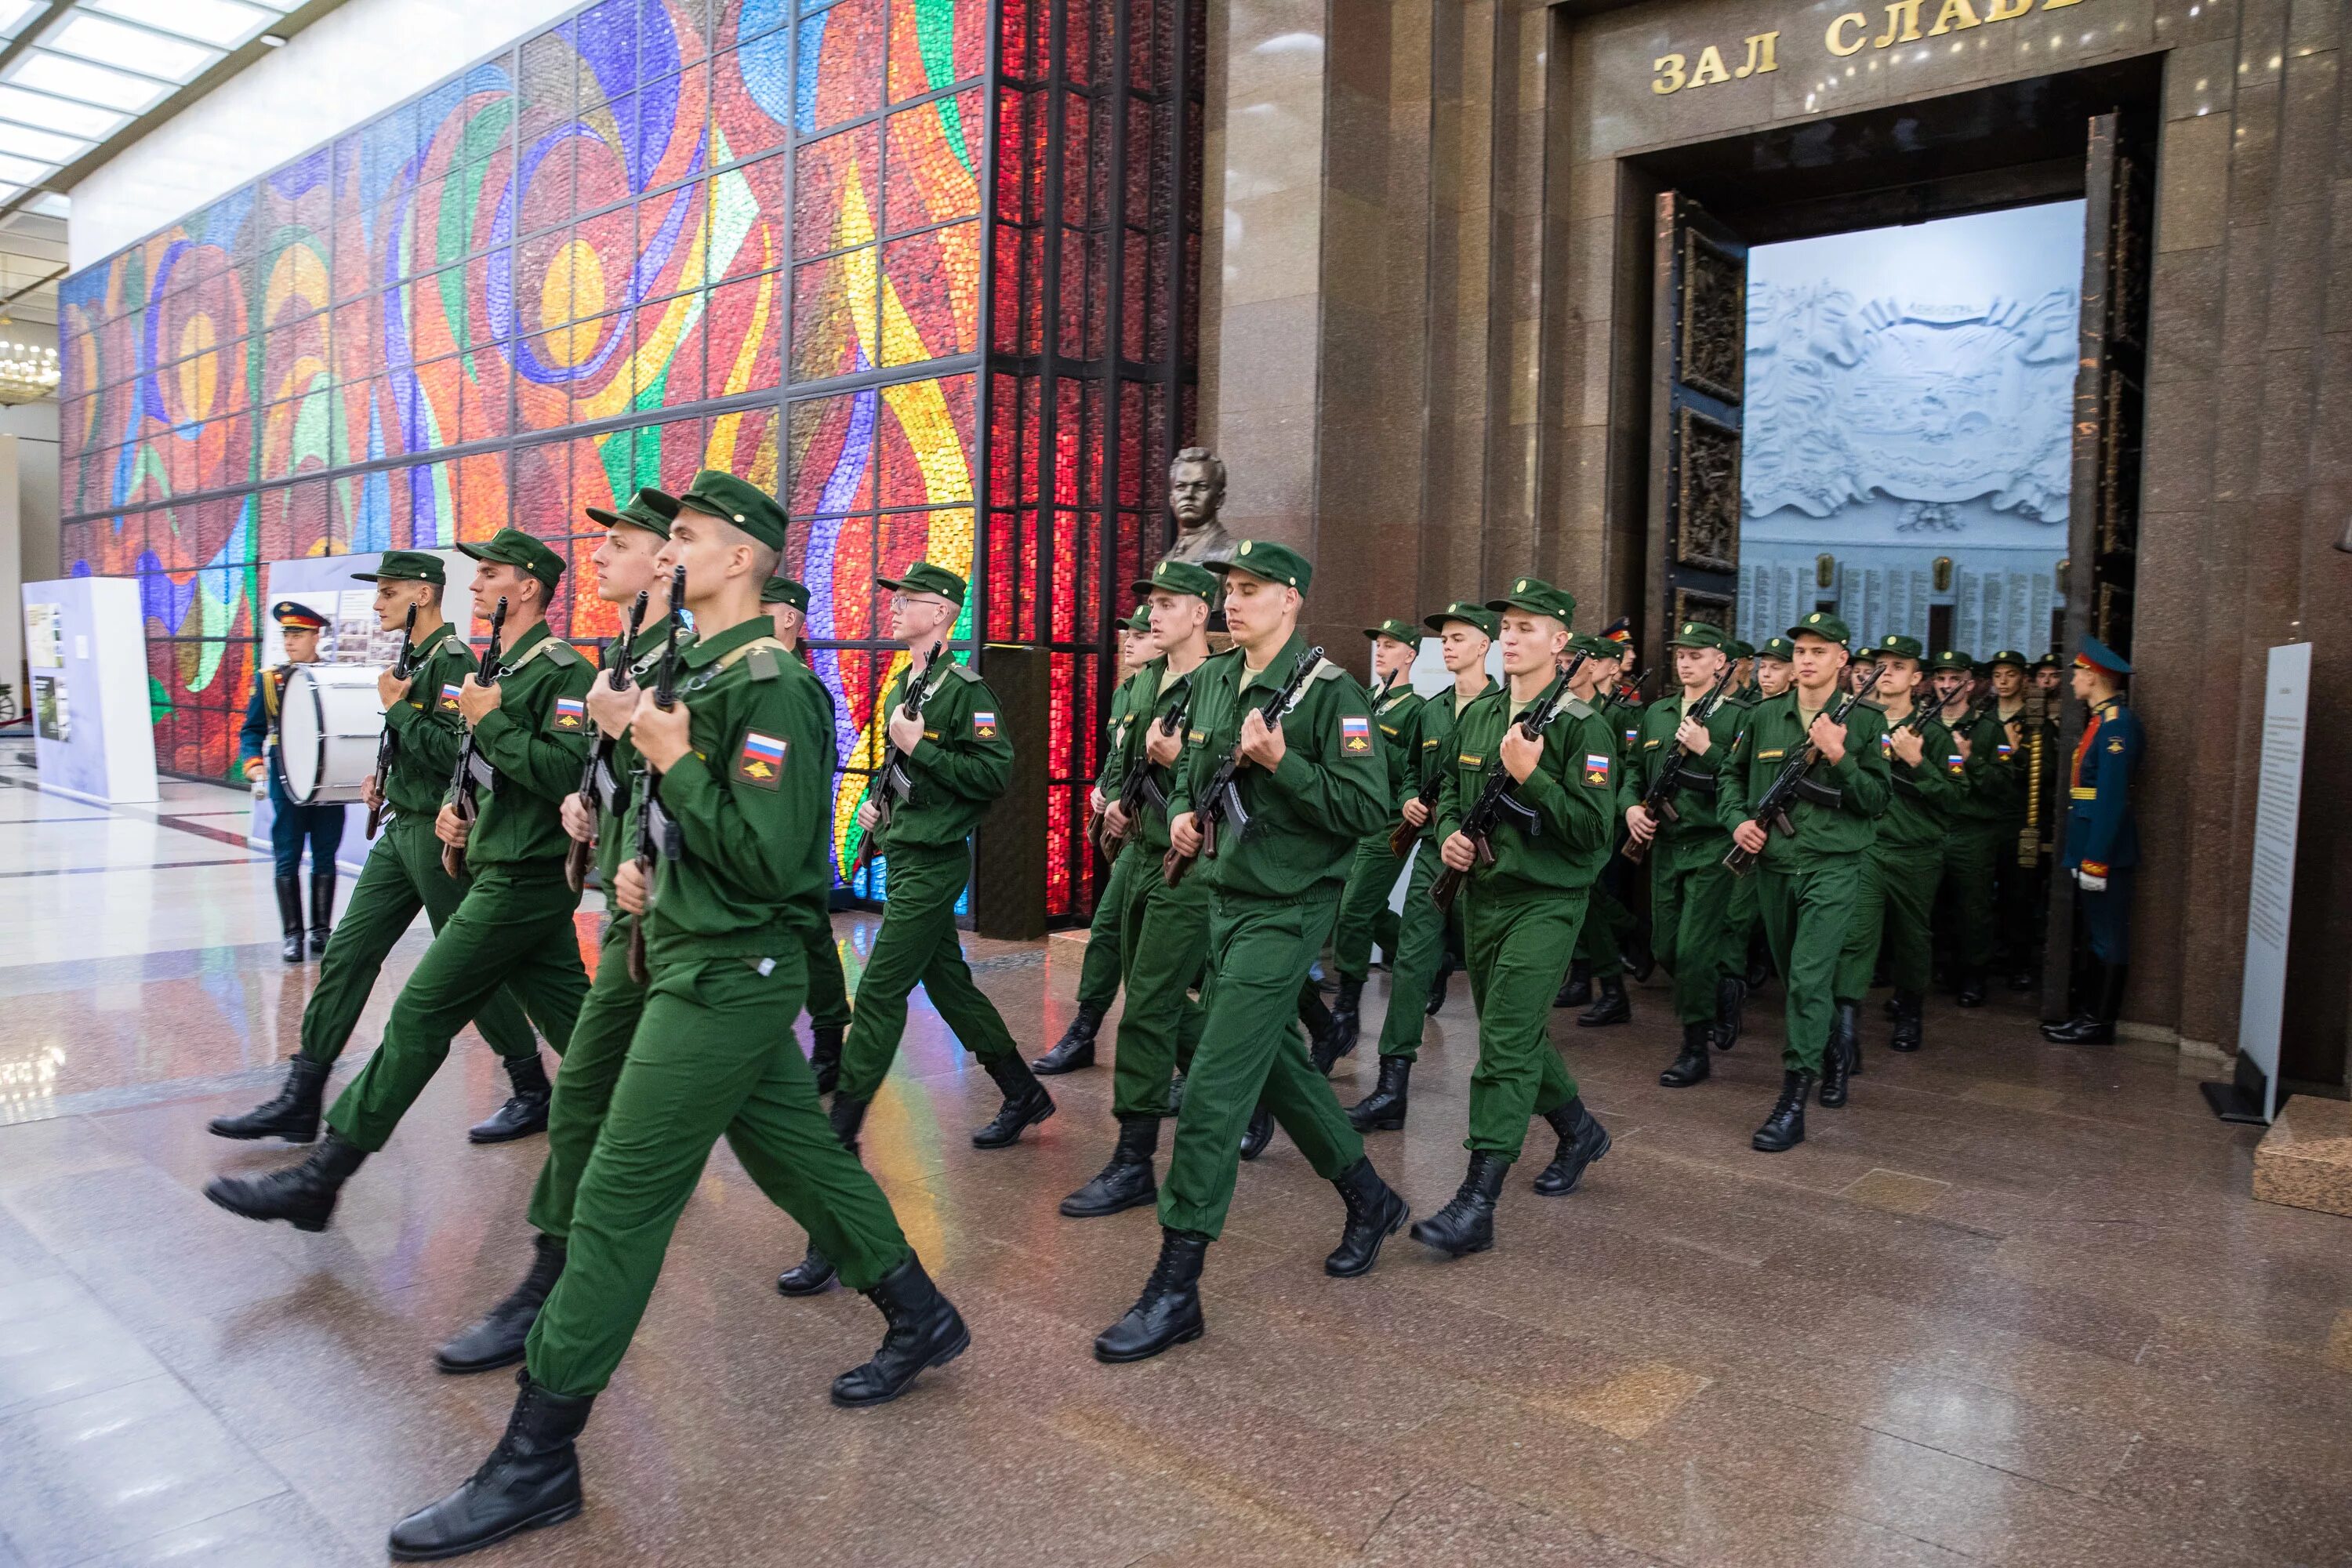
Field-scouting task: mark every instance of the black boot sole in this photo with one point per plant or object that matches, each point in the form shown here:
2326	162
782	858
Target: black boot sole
1615	1015
1764	1146
531	1129
221	1200
1048	1066
468	1368
1043	1114
1385	1123
1670	1079
1483	1243
560	1513
218	1130
940	1357
1185	1336
817	1289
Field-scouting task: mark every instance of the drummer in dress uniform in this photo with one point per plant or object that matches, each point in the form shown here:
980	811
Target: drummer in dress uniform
401	874
291	826
2102	840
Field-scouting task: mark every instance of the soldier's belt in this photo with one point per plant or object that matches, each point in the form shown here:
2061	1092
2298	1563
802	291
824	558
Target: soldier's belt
669	838
485	777
1820	794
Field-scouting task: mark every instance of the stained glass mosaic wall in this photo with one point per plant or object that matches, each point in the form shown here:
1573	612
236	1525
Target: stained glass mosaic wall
661	235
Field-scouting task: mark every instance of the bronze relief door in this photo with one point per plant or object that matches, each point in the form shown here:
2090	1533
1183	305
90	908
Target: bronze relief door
1698	369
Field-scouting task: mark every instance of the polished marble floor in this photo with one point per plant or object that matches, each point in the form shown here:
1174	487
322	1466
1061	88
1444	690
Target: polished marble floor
2012	1305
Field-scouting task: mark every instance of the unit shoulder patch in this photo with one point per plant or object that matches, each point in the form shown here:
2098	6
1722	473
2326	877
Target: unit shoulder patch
760	761
1596	768
1355	734
448	703
983	724
569	716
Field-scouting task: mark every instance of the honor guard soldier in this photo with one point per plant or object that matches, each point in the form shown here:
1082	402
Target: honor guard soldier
513	927
1895	904
1685	740
1098	970
1289	795
1525	878
291	826
1364	914
403	873
2101	841
1773	674
1464	632
785	603
736	807
1609	929
1162	938
1808	878
1983	818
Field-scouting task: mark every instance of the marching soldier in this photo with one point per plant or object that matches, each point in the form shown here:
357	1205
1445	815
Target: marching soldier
1364	913
1098	970
2102	840
1314	782
785	603
291	826
1808	883
1743	669
401	874
1690	890
1162	938
1464	632
1983	819
1521	908
1608	925
1773	674
513	927
1894	903
742	765
2016	885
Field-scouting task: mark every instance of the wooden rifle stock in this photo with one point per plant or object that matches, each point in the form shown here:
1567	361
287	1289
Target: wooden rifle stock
385	743
1131	789
649	785
580	853
461	779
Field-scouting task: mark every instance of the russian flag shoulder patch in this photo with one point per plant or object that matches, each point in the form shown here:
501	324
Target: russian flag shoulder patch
1355	735
569	716
761	761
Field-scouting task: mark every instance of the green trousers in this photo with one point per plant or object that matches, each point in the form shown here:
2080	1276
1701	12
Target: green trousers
1690	907
1893	904
828	994
1252	1051
1164	941
1741	915
1518	950
1600	941
918	944
509	931
1365	916
704	1062
1414	965
1099	972
1970	852
583	1089
1808	910
403	875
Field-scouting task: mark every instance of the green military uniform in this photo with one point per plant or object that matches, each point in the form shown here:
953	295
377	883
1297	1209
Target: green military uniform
1808	884
1099	972
1609	924
1983	824
513	927
1743	942
962	763
828	991
1365	916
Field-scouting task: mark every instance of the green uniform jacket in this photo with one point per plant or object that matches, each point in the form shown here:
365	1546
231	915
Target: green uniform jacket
1398	714
1700	815
1143	715
1305	816
613	842
1773	734
1435	724
1115	726
536	738
964	761
1625	719
1996	787
1573	793
1918	806
748	800
425	729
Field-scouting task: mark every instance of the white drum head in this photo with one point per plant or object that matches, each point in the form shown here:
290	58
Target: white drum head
327	725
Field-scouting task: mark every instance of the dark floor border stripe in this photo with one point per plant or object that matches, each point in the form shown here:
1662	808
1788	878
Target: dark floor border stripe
151	866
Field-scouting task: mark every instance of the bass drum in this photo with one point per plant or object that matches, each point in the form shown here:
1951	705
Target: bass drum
328	726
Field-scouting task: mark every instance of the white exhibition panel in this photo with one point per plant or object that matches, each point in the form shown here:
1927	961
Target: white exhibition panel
93	731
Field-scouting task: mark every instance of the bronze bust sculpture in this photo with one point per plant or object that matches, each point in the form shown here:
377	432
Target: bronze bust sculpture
1196	490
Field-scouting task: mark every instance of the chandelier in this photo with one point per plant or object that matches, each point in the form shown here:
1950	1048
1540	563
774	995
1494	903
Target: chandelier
27	373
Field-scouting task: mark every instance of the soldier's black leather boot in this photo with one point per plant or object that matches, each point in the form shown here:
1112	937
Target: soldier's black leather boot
1973	986
1339	1038
1315	1019
1466	1224
1575	990
1730	1005
925	1330
1026	1103
303	1195
322	907
1612	1006
1910	1021
1258	1133
1582	1142
814	1272
531	1480
498	1338
1167	1313
525	1111
293	1115
1785	1128
1375	1213
289	917
1127	1182
1695	1062
1076	1049
1382	1110
1839	1054
824	1059
2095	1024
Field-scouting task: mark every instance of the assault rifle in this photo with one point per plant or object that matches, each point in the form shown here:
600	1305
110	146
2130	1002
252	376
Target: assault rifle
1772	806
471	772
655	835
384	744
1658	800
1137	790
1401	836
1221	801
893	784
1486	813
596	781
